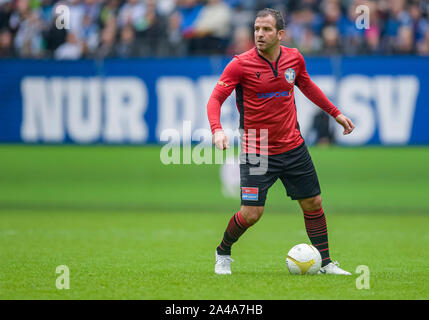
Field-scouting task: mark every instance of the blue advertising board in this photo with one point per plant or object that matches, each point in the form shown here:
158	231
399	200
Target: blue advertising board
135	101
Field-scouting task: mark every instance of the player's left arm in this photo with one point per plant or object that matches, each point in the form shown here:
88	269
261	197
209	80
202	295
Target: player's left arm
313	92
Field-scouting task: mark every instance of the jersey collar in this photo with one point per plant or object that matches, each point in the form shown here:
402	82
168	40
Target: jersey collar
275	71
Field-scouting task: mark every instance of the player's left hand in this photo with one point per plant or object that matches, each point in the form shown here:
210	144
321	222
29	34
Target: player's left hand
346	123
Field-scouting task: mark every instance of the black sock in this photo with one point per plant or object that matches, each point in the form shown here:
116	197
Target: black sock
317	231
236	227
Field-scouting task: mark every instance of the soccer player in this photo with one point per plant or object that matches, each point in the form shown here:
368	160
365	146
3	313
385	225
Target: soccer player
264	79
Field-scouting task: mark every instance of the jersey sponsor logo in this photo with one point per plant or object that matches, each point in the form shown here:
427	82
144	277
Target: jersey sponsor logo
277	94
249	193
290	75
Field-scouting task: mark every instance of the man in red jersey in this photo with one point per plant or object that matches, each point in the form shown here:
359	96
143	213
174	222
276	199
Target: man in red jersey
264	79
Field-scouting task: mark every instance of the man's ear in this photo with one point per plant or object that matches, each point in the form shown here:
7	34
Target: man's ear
280	34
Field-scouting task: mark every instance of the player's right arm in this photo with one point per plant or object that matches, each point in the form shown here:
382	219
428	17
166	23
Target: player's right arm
229	79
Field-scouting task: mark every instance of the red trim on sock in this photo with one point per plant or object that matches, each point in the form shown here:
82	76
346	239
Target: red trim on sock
241	220
319	244
225	242
317	229
318	234
312	213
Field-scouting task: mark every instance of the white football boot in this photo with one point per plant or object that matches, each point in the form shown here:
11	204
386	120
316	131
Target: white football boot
223	264
333	268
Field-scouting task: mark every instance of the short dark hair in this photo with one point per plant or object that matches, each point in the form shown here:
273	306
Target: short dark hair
280	23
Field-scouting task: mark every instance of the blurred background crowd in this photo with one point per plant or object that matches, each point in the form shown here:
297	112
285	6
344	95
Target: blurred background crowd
136	28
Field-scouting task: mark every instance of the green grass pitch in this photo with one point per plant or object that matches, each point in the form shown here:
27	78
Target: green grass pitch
129	227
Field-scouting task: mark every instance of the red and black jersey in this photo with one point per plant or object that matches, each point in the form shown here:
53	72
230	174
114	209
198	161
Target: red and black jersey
265	99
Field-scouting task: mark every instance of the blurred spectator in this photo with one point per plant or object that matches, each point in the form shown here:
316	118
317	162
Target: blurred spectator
405	40
72	49
310	43
166	7
244	15
419	24
211	28
188	11
77	12
423	45
371	45
214	19
46	10
108	11
351	38
322	129
152	31
20	13
331	40
397	17
6	44
126	46
91	9
107	40
28	37
132	13
242	41
331	12
175	44
305	25
6	10
89	36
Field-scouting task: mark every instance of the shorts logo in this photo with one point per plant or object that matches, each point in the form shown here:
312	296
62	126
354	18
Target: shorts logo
249	193
290	75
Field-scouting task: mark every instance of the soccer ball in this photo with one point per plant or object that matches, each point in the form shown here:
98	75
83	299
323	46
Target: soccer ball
303	259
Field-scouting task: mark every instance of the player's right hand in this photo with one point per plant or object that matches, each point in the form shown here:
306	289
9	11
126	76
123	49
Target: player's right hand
220	140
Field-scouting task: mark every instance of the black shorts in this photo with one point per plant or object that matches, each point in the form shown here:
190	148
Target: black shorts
294	168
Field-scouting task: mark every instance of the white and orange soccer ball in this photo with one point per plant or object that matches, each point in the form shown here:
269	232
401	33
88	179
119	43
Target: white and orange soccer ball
303	259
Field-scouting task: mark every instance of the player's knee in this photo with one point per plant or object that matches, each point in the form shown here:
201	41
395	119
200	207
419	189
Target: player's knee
317	202
311	204
251	214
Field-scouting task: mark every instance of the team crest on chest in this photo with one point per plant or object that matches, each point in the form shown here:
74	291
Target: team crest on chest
290	75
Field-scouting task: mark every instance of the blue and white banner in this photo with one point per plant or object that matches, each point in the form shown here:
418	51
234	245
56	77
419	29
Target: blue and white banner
135	101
